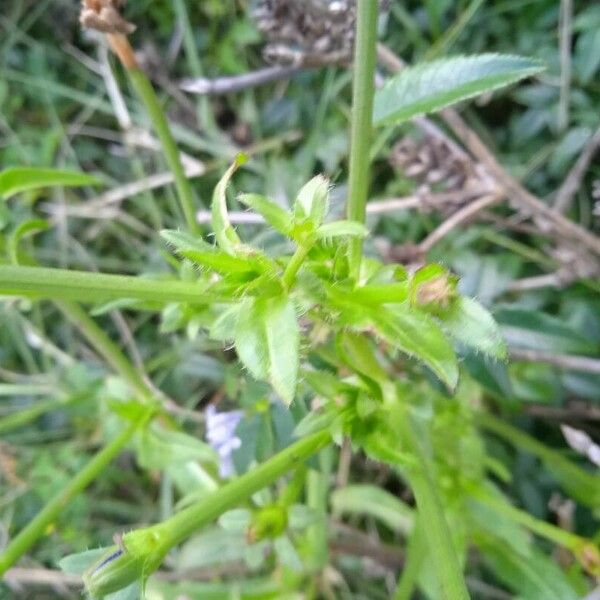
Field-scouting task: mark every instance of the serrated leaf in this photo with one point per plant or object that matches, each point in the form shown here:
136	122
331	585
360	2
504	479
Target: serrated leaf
23	179
341	228
417	335
225	234
273	214
268	340
470	323
283	341
429	87
250	339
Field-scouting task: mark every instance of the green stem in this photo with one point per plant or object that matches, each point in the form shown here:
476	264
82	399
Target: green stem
180	526
431	515
37	527
146	548
21	417
559	536
362	117
107	348
293	266
61	284
146	92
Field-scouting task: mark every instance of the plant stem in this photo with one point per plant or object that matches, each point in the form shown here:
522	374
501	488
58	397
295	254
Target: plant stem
38	526
19	418
361	126
184	523
61	284
184	190
431	515
293	266
122	48
107	348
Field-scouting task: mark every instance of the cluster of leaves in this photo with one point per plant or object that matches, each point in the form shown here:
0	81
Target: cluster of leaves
359	361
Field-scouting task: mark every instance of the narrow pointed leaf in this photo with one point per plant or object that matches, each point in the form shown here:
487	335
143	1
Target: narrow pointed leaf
273	214
341	228
226	236
23	179
429	87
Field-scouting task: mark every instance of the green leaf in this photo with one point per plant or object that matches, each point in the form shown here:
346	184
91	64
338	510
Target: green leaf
268	340
372	501
211	257
226	236
77	564
538	331
25	229
416	334
341	228
283	342
250	340
157	448
276	216
312	202
432	86
23	179
530	574
470	323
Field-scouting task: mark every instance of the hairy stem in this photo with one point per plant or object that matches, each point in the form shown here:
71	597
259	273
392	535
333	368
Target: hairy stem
361	126
61	284
146	548
37	527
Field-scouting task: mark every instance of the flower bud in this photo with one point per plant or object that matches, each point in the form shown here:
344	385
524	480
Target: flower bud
269	522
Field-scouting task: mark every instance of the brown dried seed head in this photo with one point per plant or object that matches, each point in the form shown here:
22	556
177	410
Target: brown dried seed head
105	16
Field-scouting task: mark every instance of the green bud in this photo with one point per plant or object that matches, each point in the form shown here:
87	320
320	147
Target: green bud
114	571
269	522
137	556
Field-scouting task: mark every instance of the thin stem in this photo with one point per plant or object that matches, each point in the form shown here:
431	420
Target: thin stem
61	284
184	523
184	190
19	418
107	348
431	512
361	127
146	548
37	527
293	266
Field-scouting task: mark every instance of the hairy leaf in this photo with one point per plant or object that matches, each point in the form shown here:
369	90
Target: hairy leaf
276	216
470	323
432	86
268	340
341	228
226	236
416	334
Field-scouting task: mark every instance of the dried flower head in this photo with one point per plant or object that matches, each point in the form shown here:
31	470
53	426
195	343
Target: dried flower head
307	33
105	16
